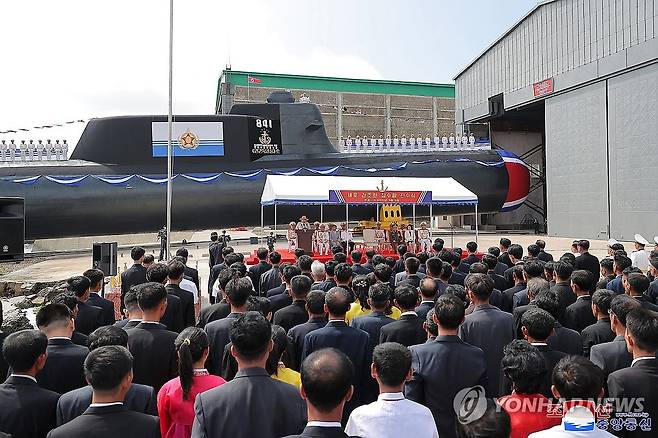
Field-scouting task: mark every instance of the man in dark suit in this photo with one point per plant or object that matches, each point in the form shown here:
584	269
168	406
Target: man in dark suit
436	380
63	370
472	249
600	331
295	313
562	288
257	270
96	278
238	291
190	273
273	408
410	274
428	292
316	320
504	257
579	315
152	345
496	297
326	386
434	270
499	281
531	269
620	264
279	301
271	278
635	285
563	339
640	380
507	299
399	263
28	411
515	254
586	261
89	317
132	311
378	300
109	370
351	341
536	326
329	281
357	267
134	275
175	274
543	255
214	251
173	316
408	330
535	287
139	398
230	257
614	355
457	276
221	308
488	328
71	301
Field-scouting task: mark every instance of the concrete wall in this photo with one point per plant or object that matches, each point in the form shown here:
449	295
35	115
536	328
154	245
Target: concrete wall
364	114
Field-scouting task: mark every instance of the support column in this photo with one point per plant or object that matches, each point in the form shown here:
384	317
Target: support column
275	219
339	116
388	115
321	214
262	224
413	213
476	224
435	117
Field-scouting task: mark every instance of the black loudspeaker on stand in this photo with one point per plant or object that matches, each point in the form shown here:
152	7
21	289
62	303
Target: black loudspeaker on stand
12	229
105	258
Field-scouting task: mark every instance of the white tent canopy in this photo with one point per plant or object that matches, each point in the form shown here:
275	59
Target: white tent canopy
330	190
283	189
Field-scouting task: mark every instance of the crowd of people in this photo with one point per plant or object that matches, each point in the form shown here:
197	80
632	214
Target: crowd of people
448	343
32	151
447	141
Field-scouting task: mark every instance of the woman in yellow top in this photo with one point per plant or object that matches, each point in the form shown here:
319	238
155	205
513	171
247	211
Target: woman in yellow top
360	306
276	362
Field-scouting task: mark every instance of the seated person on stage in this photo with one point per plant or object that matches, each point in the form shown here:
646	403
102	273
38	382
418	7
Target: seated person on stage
396	141
292	237
322	240
380	237
410	238
451	139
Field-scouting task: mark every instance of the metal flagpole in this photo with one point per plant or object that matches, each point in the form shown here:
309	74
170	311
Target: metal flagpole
476	224
275	219
413	212
262	224
170	128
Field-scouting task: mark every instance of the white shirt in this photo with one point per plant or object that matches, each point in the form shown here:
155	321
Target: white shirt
323	424
25	376
392	416
102	405
632	363
190	287
640	259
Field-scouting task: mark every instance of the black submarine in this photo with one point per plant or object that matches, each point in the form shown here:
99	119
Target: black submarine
115	179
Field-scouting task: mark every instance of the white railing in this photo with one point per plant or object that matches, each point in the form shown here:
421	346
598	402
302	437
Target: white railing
32	152
418	144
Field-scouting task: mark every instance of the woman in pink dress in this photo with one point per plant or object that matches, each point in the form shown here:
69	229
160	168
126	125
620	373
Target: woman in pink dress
176	397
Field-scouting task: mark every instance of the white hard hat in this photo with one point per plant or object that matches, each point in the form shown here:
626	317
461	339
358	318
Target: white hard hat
612	242
641	240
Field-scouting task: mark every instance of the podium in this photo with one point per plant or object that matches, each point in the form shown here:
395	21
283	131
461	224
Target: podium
305	241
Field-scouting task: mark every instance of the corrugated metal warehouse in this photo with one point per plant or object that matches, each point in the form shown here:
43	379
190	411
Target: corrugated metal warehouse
573	87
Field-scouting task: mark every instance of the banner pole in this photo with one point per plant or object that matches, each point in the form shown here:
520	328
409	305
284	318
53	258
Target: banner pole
477	232
170	158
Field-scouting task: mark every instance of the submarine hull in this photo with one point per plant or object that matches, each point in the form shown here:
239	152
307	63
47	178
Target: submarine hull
114	183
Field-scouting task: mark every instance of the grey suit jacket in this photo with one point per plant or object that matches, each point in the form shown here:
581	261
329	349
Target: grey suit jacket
139	398
251	405
490	329
611	356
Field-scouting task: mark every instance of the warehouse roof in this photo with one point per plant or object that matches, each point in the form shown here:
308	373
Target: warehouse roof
325	83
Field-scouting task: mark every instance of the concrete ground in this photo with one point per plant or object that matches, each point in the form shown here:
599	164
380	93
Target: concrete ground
61	267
